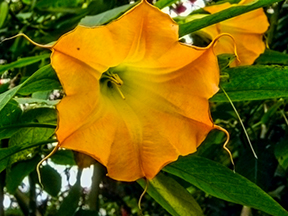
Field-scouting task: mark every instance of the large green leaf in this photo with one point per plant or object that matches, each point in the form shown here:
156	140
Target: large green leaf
23	62
63	157
18	172
9	115
221	182
43	79
172	196
27	136
198	24
272	57
254	83
105	17
5	153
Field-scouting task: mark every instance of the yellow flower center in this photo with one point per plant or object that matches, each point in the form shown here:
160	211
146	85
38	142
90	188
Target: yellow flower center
113	80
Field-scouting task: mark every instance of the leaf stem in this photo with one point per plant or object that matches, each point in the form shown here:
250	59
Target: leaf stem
43	125
241	122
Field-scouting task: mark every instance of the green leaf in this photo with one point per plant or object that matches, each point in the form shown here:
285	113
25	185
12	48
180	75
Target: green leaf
172	196
221	182
272	57
164	3
51	180
281	153
7	96
271	111
18	172
63	157
258	170
43	79
70	203
27	136
9	115
23	62
5	153
105	17
198	24
4	9
43	73
254	83
40	115
27	100
37	117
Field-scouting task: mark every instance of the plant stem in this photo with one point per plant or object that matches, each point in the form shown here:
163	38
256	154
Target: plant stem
98	174
274	23
32	196
53	126
2	184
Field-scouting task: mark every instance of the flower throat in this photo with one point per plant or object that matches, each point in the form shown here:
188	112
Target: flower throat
113	80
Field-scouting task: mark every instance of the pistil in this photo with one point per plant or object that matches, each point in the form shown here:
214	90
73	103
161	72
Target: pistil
115	80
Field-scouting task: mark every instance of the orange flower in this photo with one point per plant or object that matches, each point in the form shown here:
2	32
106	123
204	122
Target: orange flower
136	98
247	30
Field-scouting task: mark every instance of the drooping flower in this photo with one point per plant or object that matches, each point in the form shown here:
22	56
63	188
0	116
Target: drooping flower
247	30
136	98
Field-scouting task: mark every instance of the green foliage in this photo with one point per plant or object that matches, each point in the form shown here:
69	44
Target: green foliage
193	185
221	182
51	180
250	83
70	202
172	196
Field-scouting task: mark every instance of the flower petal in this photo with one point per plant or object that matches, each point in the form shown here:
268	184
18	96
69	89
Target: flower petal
157	111
247	30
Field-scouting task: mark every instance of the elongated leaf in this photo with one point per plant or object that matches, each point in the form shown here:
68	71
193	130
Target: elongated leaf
254	83
5	153
172	196
4	9
221	182
9	115
164	3
18	172
63	157
27	100
43	79
272	57
44	72
7	96
70	203
23	62
281	153
198	24
105	17
51	180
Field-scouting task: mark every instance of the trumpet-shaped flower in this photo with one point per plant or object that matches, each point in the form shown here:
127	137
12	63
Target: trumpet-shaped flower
247	30
136	98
